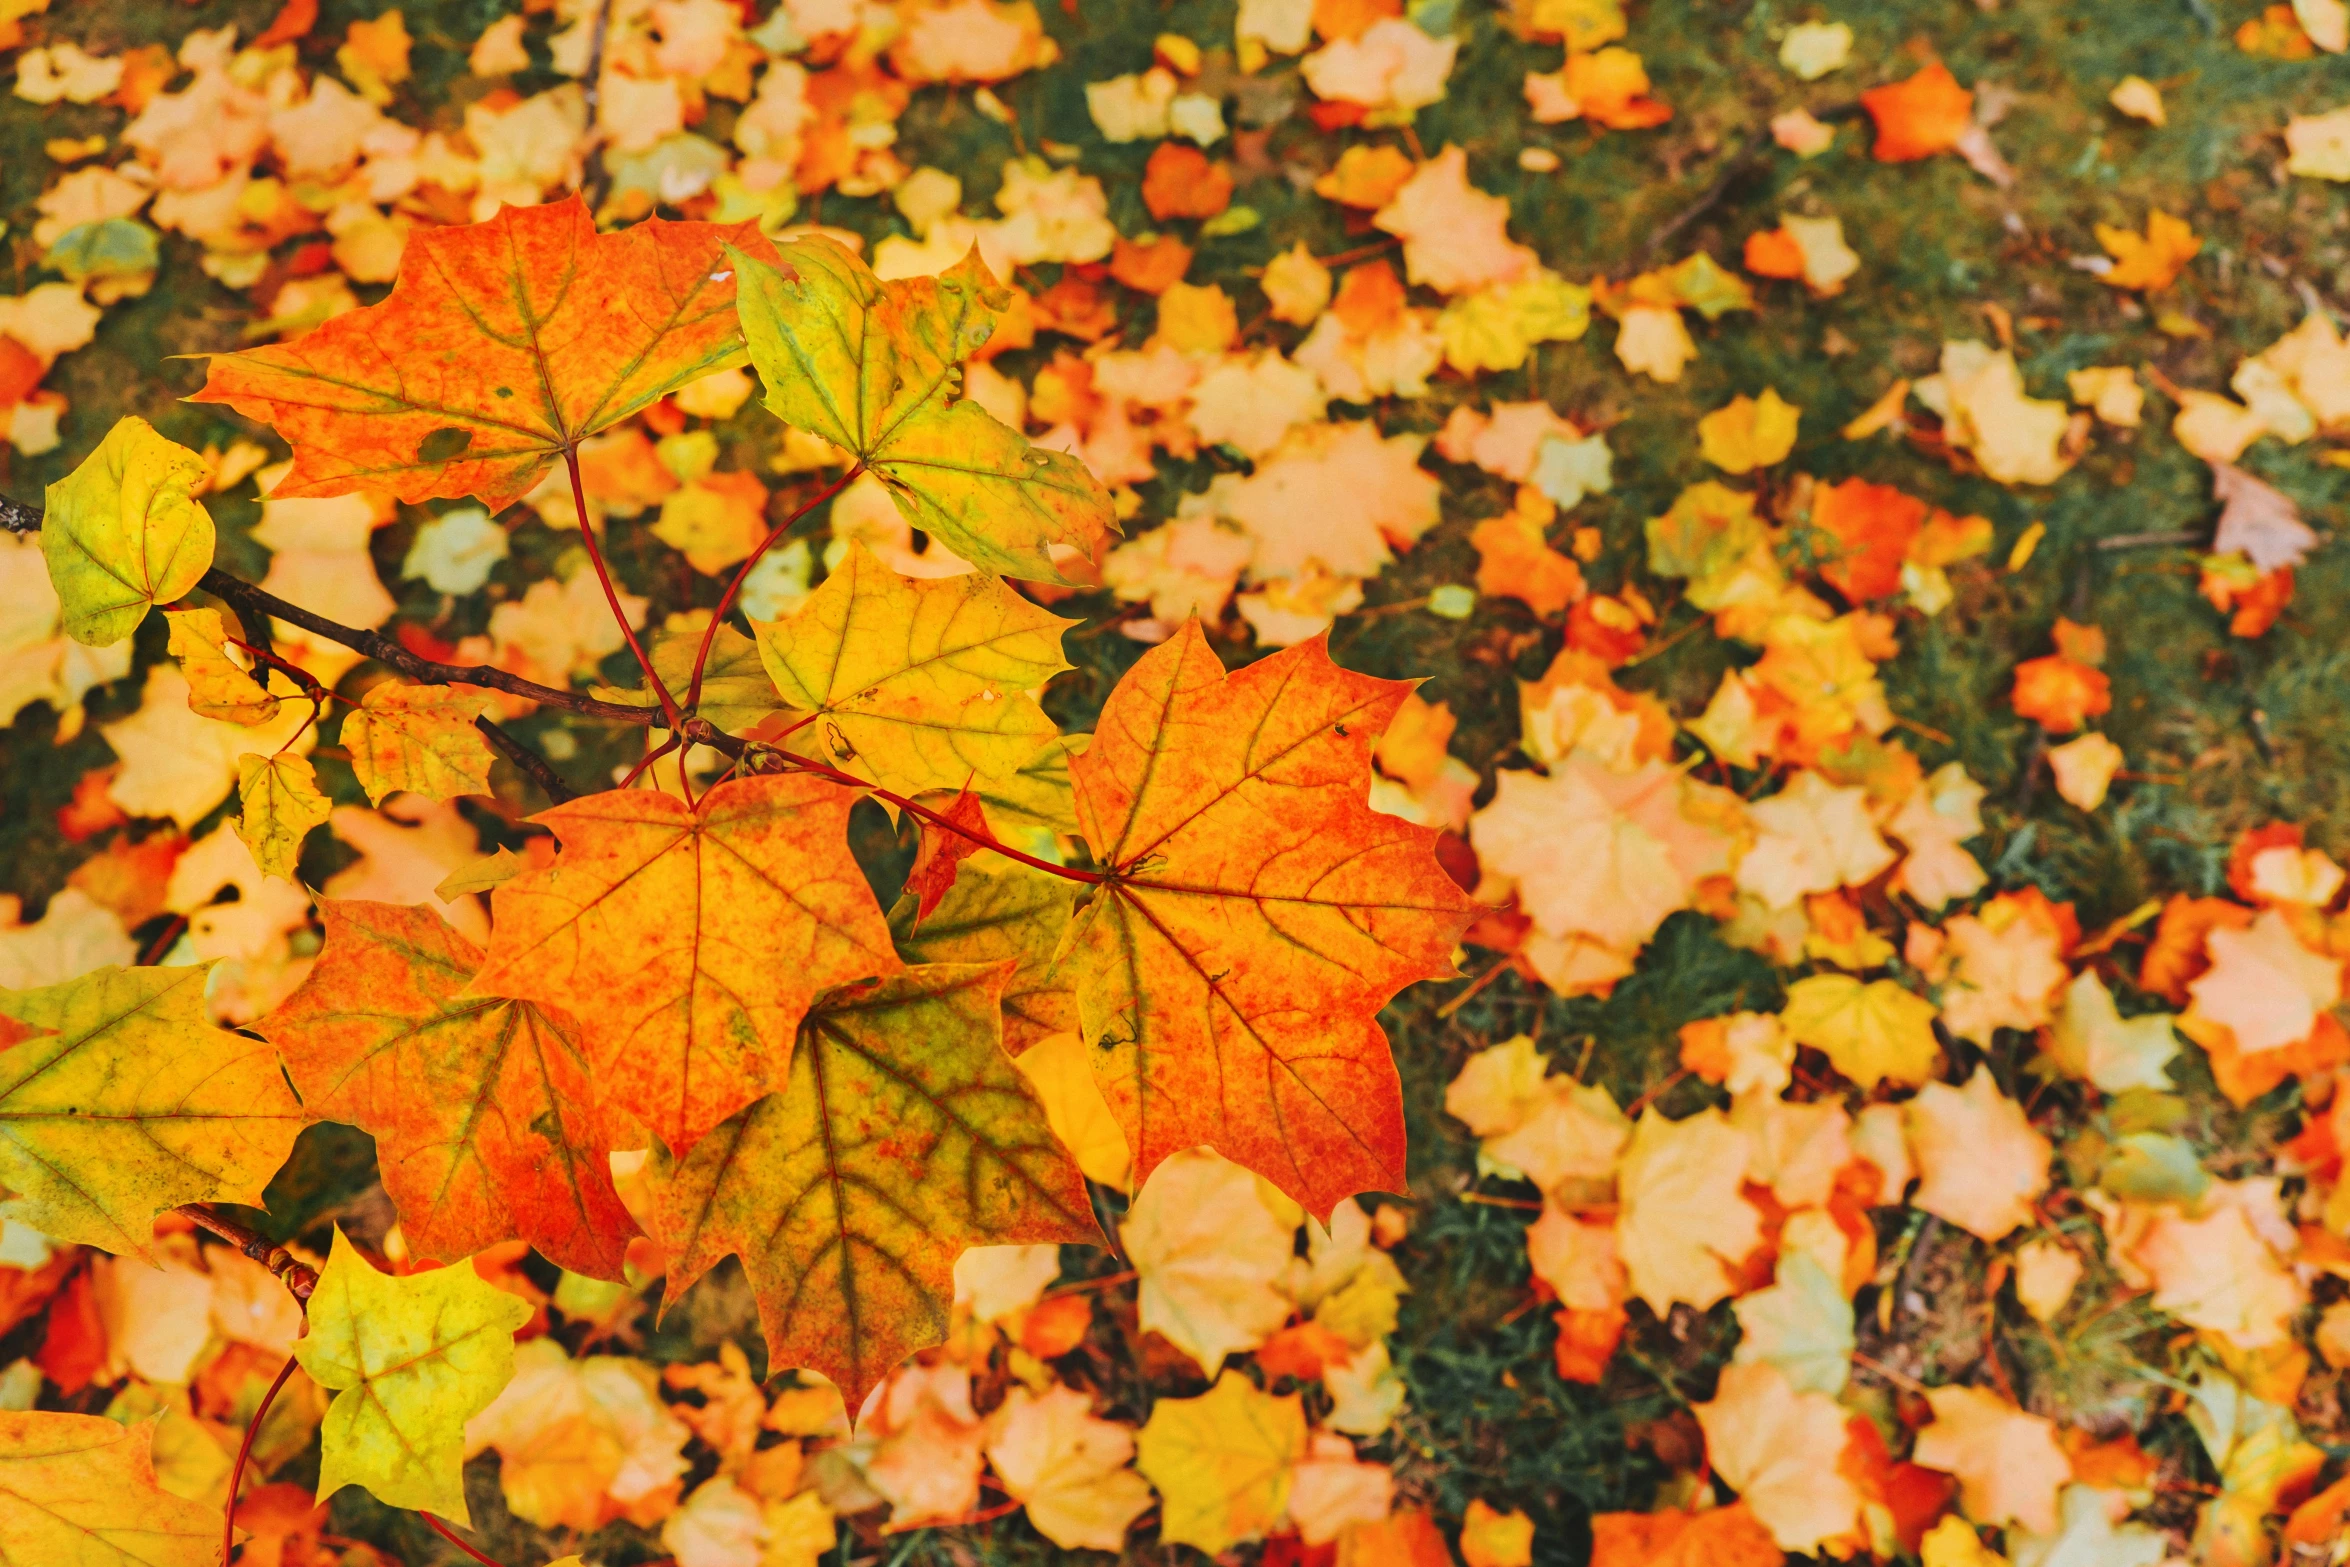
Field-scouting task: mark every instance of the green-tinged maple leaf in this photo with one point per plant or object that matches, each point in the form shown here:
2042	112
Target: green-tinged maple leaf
502	346
736	692
281	803
1039	794
127	1101
904	1135
484	1114
1257	916
689	940
80	1491
409	1361
218	686
418	738
874	368
996	911
125	531
917	684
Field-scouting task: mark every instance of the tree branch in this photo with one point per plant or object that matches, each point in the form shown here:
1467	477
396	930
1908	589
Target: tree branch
297	1276
532	765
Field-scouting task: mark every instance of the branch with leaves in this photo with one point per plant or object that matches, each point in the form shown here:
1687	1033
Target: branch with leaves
1201	891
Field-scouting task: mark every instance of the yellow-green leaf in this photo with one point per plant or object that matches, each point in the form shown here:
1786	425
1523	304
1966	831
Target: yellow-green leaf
736	692
1040	794
916	684
418	738
80	1491
874	368
218	686
281	804
127	1101
1221	1462
1868	1032
904	1135
410	1361
1000	910
125	531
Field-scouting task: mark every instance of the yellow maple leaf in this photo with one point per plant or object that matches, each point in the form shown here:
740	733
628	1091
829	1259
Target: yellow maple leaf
2151	261
282	803
125	531
1491	1538
218	686
410	1360
1869	1032
1747	433
1222	1462
1779	1450
80	1491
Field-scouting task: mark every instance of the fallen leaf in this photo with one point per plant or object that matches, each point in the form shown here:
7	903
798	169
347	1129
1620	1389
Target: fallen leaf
1747	433
1981	1161
1919	117
1780	1450
1869	1031
2008	1463
1221	1462
2091	1039
1682	1225
1070	1469
1212	1244
2258	520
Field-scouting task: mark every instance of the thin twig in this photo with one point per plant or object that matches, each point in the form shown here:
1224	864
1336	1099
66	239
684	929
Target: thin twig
2140	541
447	1534
299	1278
1741	163
592	176
533	766
595	555
236	1476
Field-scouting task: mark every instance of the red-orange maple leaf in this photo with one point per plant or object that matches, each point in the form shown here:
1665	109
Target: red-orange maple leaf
1919	117
1257	915
501	347
484	1115
689	940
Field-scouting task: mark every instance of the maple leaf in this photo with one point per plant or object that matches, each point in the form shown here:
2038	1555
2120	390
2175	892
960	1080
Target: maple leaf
2264	985
1869	1032
281	803
1981	1161
2092	1039
501	347
218	686
1779	1449
1747	433
943	851
1255	914
484	1114
409	1360
2151	261
997	910
1683	1225
1212	1244
127	1101
873	368
80	1491
1919	117
2008	1464
1491	1538
2259	520
917	684
420	739
902	1134
1802	1324
1068	1468
689	940
124	531
1222	1462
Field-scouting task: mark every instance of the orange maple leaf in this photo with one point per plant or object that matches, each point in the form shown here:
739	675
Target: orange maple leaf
1919	117
1183	182
502	346
485	1117
2060	694
690	940
943	850
1255	914
1717	1537
1870	527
